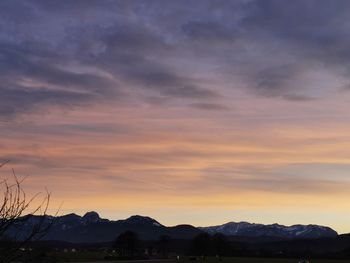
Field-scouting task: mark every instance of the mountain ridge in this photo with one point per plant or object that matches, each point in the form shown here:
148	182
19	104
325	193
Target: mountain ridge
91	228
247	229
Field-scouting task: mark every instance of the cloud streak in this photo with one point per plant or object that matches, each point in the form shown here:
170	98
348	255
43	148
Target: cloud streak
130	44
210	104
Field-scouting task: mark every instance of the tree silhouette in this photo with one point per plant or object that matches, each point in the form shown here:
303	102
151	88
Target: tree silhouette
163	242
202	244
127	244
17	227
220	244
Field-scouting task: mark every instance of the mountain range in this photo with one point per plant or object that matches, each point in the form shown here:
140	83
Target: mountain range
91	228
245	229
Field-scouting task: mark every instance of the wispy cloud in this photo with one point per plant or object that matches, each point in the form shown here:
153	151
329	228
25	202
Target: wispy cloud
192	104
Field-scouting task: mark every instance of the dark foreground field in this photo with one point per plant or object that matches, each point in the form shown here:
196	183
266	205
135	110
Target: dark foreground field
266	260
271	260
212	260
239	260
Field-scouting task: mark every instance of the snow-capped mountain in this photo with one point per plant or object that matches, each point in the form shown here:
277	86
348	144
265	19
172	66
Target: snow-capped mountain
245	229
90	228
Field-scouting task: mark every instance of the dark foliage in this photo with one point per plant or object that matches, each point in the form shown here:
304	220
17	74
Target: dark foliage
202	244
163	244
127	244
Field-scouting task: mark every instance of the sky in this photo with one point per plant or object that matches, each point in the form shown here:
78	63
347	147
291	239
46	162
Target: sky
198	112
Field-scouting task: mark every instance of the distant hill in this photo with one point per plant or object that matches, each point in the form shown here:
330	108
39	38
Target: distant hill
244	229
90	228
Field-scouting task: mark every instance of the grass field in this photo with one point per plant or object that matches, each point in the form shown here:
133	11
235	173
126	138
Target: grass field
264	260
208	260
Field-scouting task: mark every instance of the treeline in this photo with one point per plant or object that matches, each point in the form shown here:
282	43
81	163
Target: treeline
218	245
128	245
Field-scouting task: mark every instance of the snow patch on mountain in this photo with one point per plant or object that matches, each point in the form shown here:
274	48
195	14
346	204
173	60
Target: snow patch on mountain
275	230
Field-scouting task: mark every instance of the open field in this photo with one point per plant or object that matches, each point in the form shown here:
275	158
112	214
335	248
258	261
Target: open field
263	260
225	260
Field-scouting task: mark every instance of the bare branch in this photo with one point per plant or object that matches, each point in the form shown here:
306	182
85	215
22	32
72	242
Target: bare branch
7	161
20	224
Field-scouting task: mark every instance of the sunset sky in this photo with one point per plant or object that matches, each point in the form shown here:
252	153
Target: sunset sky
198	112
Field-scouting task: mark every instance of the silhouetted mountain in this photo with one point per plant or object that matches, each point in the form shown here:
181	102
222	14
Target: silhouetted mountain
244	229
91	217
90	228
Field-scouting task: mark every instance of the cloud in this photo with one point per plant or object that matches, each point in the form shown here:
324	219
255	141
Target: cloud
133	52
14	101
135	98
123	49
165	48
316	37
209	106
33	78
271	50
208	31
